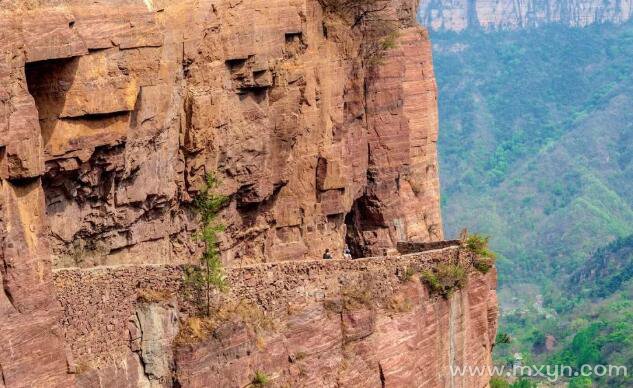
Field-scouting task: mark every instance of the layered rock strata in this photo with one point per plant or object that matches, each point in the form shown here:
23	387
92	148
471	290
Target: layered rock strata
121	109
111	116
368	322
513	15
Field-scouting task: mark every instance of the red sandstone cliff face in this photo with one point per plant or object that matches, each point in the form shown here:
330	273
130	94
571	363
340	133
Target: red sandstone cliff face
111	114
121	109
339	323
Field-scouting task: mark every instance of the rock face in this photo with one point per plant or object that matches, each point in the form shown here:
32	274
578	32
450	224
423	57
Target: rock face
122	108
338	323
113	113
512	15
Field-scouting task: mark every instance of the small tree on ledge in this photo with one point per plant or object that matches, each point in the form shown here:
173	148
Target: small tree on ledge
208	205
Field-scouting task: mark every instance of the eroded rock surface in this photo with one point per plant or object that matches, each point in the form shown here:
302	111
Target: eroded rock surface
340	323
111	115
122	108
157	325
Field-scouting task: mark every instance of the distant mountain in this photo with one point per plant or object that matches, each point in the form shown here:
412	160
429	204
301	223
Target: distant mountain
589	322
457	15
606	271
536	150
536	143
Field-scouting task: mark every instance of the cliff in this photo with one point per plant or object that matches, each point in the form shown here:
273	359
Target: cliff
318	323
512	15
111	116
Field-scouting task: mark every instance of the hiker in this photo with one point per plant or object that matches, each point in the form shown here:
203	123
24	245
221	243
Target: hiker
327	255
347	254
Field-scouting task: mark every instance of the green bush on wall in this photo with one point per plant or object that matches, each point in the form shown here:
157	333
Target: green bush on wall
445	279
484	257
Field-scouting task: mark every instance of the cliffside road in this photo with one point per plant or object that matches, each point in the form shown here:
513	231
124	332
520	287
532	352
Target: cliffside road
277	317
449	245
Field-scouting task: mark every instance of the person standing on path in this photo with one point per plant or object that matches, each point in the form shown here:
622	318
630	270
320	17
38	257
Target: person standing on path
347	254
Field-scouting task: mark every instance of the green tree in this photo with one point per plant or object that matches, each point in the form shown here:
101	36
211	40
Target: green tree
208	204
523	383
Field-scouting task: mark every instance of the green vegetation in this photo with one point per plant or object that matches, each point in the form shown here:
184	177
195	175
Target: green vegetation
536	149
523	383
484	257
483	264
211	275
536	143
503	338
580	382
591	325
609	268
478	245
498	382
260	379
444	279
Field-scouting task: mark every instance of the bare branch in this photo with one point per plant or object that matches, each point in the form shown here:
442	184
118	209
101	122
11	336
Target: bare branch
372	19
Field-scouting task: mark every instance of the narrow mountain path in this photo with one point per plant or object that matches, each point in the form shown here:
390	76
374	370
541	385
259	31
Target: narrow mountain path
265	264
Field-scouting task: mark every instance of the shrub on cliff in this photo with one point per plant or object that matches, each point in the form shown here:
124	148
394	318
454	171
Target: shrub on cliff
478	244
483	264
484	257
357	12
208	204
503	338
445	279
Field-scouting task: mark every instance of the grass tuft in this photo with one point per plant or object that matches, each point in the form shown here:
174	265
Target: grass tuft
260	379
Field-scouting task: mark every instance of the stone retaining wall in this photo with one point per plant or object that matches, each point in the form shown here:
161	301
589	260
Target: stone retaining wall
99	302
101	319
406	247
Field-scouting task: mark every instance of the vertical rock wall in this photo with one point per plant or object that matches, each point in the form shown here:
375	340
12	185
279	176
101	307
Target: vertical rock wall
122	108
31	350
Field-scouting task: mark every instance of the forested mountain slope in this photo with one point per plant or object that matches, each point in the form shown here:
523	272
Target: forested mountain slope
537	142
589	322
536	150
